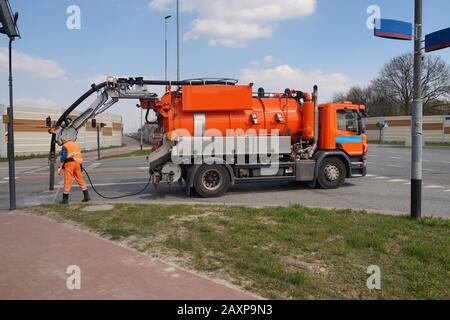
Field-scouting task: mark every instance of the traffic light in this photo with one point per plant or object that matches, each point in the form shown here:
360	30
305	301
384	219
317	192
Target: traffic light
8	20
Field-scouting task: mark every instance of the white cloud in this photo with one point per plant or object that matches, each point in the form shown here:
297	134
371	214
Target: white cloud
232	23
34	102
283	76
268	59
162	5
38	67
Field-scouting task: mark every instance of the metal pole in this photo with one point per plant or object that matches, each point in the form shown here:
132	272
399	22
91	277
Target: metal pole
165	48
416	125
12	170
178	40
142	132
98	142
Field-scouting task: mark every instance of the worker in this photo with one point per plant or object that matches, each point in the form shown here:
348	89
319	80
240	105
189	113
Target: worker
71	163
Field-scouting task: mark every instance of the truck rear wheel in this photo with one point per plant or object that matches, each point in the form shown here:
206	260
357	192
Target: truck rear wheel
332	173
211	181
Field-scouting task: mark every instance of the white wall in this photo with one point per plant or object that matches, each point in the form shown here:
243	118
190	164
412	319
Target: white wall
34	138
436	129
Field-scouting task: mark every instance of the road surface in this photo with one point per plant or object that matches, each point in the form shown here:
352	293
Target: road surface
386	188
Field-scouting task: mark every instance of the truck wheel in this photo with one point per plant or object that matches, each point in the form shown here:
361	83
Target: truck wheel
211	181
332	173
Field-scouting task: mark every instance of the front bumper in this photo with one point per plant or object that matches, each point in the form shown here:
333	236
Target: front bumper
358	168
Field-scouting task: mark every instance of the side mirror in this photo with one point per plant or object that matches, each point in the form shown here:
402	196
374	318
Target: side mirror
94	123
48	122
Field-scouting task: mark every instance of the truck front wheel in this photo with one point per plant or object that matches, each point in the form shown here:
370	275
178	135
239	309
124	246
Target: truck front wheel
332	173
211	181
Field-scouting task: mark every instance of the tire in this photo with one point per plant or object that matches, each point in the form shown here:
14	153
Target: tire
332	173
211	181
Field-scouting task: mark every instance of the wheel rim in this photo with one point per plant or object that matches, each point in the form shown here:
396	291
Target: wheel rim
332	172
211	179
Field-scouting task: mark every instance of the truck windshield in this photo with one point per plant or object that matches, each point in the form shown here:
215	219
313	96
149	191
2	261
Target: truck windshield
348	121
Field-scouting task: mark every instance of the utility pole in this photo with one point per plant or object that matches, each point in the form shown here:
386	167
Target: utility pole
142	132
98	141
8	26
178	40
417	113
11	164
165	44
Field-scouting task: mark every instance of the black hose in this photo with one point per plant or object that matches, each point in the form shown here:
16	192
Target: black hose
118	197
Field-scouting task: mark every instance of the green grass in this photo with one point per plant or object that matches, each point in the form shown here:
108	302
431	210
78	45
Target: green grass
42	156
285	252
137	153
388	143
29	157
438	144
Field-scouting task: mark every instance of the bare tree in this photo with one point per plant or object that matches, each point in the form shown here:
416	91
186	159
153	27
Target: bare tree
391	93
395	81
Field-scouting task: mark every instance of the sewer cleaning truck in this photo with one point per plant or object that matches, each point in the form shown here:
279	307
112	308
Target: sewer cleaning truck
214	133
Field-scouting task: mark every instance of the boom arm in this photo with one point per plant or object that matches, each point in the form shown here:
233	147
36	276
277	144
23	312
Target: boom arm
109	93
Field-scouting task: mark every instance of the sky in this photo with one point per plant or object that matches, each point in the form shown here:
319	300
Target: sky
276	44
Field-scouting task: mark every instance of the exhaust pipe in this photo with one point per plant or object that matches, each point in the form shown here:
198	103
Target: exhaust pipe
315	97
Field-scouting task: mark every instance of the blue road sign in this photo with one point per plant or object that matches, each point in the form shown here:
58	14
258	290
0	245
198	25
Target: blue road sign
393	29
437	40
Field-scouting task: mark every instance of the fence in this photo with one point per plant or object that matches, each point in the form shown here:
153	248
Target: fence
436	129
31	134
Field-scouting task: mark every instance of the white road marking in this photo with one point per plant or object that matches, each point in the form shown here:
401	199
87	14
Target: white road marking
373	155
434	187
18	168
36	170
408	183
396	158
393	166
429	170
398	180
380	178
370	175
447	190
94	165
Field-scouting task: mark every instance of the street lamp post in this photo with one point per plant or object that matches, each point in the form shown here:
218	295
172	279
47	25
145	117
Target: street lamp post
9	27
142	132
178	40
166	18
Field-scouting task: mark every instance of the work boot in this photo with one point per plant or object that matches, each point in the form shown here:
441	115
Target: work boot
65	199
86	196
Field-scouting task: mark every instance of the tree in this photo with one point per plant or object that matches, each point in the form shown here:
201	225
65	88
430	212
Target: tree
391	93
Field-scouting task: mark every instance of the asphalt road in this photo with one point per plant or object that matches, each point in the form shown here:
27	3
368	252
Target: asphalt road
386	188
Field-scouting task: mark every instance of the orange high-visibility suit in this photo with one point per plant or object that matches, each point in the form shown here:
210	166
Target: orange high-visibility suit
72	166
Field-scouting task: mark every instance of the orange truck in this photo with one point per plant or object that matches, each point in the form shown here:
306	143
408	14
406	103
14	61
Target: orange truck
215	133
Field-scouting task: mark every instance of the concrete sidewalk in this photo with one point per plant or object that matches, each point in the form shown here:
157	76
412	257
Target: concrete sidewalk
36	252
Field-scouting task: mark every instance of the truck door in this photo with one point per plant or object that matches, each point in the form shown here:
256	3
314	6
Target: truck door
349	132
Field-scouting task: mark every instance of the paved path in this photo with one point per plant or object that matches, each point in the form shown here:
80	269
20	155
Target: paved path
35	254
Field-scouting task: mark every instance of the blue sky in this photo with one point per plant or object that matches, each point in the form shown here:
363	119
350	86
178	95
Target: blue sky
273	43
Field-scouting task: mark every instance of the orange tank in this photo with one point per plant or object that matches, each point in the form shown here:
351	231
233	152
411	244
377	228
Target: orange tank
216	109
